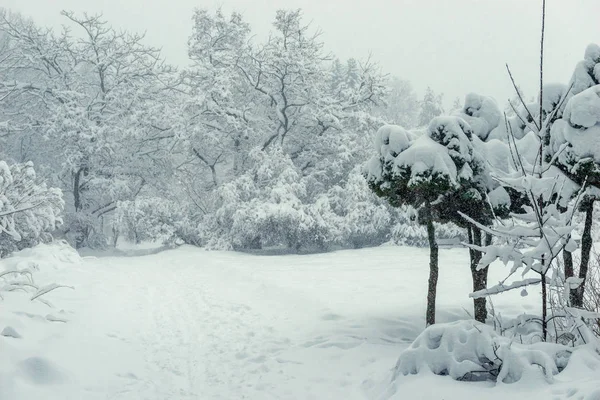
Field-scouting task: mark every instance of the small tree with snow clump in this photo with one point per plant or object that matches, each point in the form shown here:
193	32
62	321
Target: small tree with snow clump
428	172
483	116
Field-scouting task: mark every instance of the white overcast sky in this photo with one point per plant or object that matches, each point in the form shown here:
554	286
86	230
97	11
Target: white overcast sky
454	46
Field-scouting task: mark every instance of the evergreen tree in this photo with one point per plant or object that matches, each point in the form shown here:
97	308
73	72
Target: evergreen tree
431	107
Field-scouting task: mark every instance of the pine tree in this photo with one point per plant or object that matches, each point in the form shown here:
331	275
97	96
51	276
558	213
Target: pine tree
431	107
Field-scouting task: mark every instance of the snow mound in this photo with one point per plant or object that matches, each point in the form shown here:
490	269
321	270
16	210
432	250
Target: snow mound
481	113
454	349
583	109
468	350
424	156
390	140
9	331
499	198
446	150
579	129
49	257
587	71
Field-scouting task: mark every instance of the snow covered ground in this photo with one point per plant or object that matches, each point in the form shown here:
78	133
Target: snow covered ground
190	324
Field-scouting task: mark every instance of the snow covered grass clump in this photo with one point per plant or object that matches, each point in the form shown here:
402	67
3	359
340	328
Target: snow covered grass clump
471	351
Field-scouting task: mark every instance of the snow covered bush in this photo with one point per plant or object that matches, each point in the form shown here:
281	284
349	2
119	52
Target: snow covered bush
359	218
468	350
266	206
157	219
17	271
406	230
29	210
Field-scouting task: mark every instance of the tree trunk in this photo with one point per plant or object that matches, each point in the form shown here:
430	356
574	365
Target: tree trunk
76	187
569	272
544	306
586	249
115	236
479	276
80	233
433	273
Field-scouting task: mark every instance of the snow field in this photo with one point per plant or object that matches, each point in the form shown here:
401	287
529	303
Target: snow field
191	324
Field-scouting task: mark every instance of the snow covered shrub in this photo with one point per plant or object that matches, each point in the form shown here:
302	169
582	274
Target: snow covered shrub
407	231
266	206
156	219
85	230
355	214
29	210
18	270
468	350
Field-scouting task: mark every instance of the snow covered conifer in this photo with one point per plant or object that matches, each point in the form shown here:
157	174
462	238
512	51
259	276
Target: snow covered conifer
431	107
433	173
542	229
573	140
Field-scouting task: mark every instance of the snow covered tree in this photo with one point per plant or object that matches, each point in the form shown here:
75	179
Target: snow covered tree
456	105
221	109
29	210
93	114
430	107
571	148
542	229
483	116
360	218
401	104
157	219
266	206
432	173
285	92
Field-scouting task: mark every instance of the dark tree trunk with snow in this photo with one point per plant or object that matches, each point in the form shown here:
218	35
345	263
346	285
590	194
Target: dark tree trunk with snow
569	272
479	276
80	232
586	249
433	271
